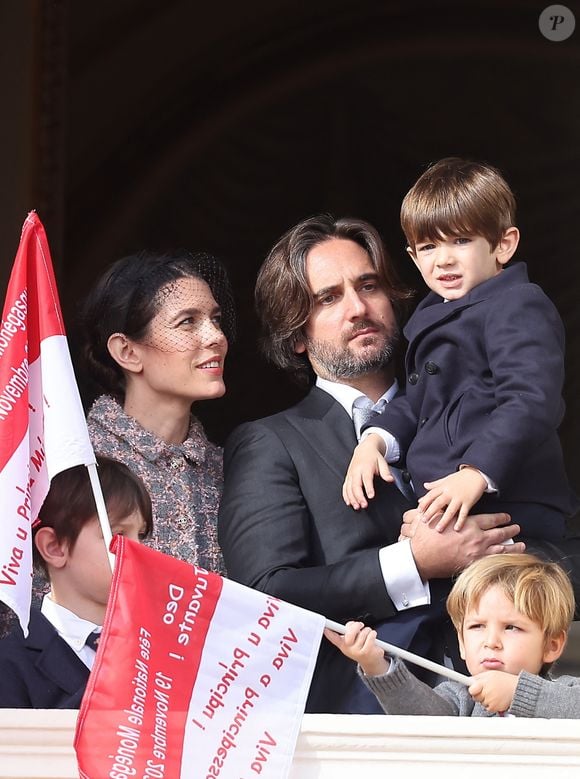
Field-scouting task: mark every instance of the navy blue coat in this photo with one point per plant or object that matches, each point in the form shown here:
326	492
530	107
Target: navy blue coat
40	671
484	387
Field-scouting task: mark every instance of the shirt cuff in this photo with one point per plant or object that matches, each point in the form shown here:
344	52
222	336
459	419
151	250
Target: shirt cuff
491	485
404	585
392	448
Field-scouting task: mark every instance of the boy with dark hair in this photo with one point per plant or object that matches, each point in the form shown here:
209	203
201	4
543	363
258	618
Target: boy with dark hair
512	614
50	668
485	367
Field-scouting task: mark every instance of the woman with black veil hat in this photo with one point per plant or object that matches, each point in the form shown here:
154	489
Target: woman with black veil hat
156	331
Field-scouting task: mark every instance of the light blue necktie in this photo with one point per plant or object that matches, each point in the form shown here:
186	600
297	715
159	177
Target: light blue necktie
363	411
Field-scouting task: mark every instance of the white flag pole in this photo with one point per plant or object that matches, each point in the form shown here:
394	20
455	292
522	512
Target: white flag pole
102	512
410	657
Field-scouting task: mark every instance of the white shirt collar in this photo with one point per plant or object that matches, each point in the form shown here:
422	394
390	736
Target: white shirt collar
72	629
346	395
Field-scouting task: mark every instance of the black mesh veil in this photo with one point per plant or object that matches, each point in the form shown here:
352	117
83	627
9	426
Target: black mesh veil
175	301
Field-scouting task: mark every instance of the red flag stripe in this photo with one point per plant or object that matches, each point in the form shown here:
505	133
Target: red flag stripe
42	425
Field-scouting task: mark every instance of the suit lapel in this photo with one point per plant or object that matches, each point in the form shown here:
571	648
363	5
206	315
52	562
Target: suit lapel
432	310
326	428
56	659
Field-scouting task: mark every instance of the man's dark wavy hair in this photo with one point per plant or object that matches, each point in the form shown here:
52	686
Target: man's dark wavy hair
283	297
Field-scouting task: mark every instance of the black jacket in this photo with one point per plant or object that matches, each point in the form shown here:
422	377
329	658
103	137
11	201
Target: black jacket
41	671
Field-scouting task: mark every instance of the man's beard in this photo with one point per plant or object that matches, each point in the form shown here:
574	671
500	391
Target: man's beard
339	362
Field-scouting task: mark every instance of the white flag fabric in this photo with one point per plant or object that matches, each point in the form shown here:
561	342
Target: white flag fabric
195	676
42	423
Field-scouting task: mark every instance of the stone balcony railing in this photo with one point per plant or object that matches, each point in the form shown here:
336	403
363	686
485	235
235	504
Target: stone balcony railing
38	745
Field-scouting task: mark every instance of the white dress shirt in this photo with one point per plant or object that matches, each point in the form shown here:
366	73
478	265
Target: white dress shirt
71	629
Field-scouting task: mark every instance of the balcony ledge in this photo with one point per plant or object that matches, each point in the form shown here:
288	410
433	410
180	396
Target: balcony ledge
37	744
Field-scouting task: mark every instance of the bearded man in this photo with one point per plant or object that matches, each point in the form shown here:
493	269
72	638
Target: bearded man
328	301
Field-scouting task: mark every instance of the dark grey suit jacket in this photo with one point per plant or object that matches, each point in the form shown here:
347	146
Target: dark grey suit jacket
285	529
41	671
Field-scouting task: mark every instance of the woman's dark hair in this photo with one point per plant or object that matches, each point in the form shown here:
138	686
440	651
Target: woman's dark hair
70	502
128	295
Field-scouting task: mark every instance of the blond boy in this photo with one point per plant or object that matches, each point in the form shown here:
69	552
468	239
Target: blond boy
512	614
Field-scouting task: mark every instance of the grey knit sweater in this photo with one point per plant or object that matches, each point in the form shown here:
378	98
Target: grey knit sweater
399	692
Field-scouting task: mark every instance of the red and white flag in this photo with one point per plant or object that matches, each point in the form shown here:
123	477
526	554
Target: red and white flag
195	676
42	423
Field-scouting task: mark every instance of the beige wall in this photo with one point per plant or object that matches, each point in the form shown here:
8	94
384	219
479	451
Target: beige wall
38	744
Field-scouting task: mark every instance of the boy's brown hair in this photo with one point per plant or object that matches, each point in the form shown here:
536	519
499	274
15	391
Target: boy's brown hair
456	197
70	503
539	590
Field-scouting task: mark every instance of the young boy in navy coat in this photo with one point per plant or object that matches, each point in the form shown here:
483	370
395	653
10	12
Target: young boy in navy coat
49	669
484	364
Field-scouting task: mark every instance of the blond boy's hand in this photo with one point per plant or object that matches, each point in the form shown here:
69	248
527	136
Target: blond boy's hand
358	643
495	690
368	461
455	495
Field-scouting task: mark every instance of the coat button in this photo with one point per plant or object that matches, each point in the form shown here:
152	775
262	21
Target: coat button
406	476
423	421
431	367
413	378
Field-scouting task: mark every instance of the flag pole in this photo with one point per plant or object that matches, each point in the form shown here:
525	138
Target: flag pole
102	512
404	654
44	430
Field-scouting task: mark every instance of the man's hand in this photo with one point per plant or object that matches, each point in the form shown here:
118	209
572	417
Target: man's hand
367	461
495	690
411	519
440	555
455	495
